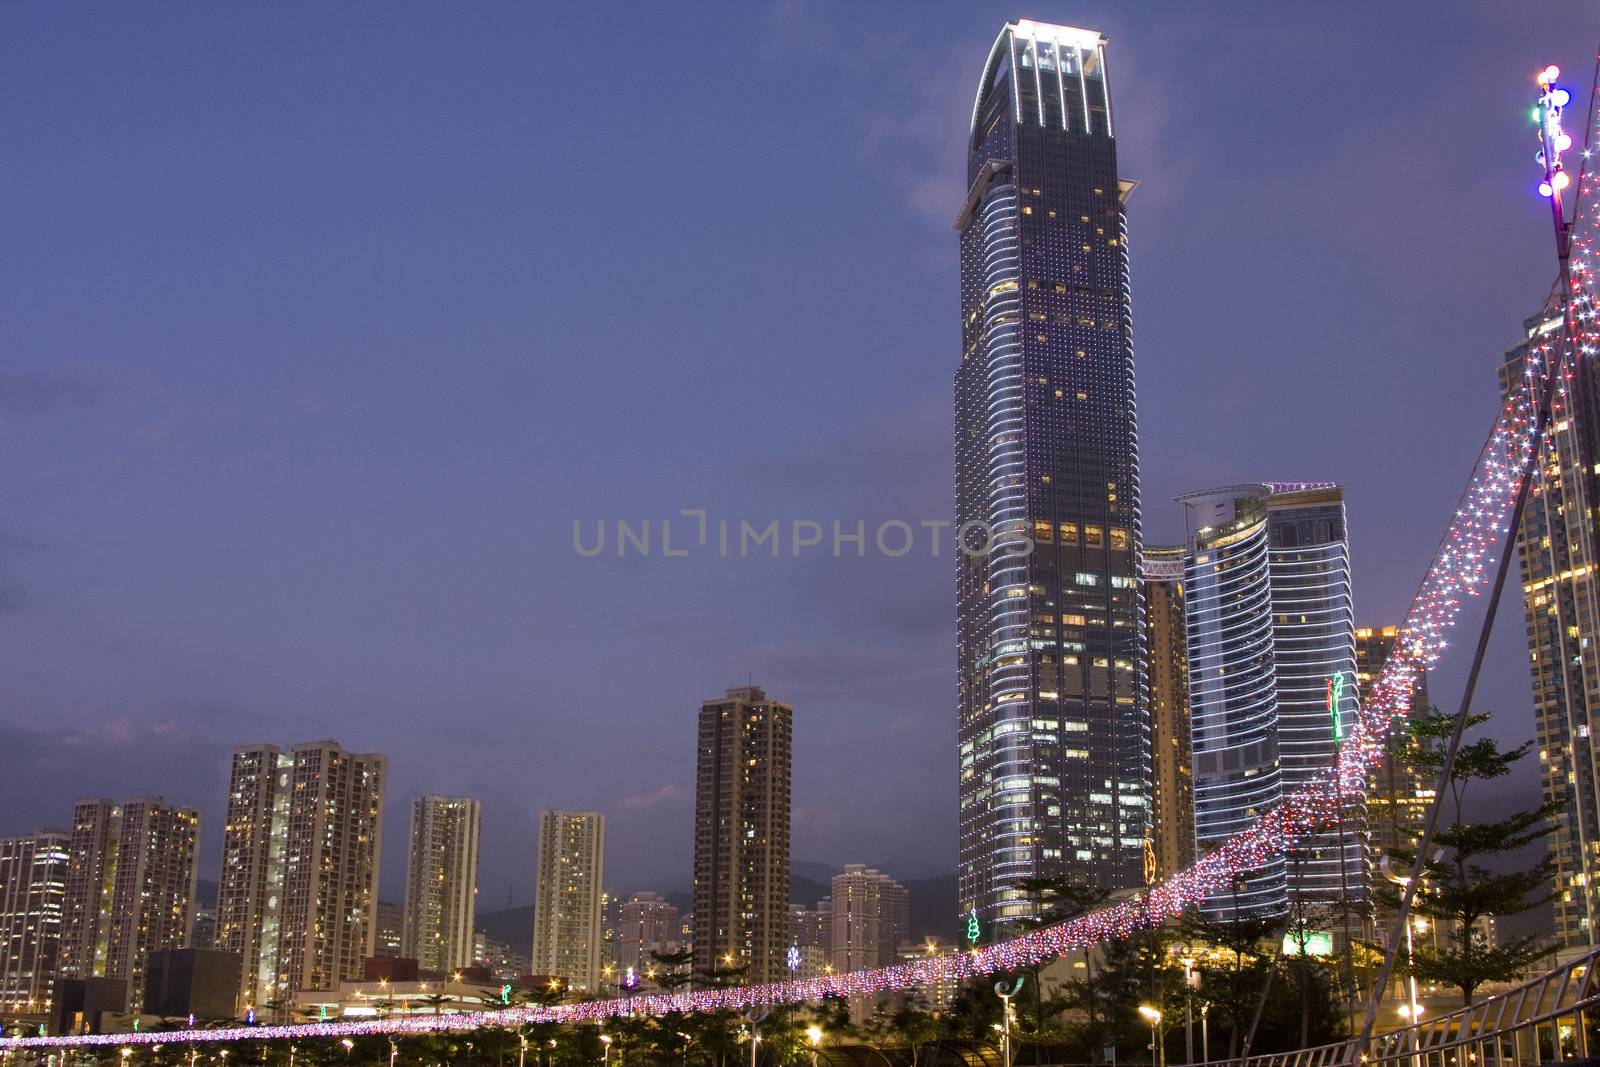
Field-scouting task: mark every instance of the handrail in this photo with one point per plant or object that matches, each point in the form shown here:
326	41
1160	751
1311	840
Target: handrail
1570	989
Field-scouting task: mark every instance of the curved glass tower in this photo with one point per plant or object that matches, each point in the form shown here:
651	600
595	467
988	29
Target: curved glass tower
1272	679
1054	733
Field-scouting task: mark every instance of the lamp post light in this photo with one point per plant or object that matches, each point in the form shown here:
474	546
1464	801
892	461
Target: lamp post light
1188	959
1205	1033
1005	993
348	1045
522	1050
394	1051
1158	1053
605	1049
814	1037
1410	1010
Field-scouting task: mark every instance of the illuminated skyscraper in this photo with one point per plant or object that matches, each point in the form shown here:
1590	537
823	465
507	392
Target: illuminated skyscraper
441	883
741	834
1561	608
1271	639
871	915
1053	726
130	888
1170	756
1398	794
645	923
297	900
33	890
567	906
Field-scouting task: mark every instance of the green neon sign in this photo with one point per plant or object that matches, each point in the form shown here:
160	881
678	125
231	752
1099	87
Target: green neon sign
1335	696
972	927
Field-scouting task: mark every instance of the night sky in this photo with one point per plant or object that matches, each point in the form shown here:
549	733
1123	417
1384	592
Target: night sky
320	324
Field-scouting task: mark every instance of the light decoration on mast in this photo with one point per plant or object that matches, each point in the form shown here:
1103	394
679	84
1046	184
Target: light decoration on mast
1458	571
1553	140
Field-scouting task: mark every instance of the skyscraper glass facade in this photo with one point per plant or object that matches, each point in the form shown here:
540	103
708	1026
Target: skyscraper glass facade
1561	609
1053	725
1272	680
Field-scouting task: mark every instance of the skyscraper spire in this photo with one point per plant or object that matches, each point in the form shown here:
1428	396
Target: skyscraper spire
1053	723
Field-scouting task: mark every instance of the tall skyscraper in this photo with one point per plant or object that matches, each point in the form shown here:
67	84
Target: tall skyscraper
33	892
1271	642
1561	608
1171	758
871	917
741	834
645	923
1398	794
130	888
298	894
1054	738
567	908
441	883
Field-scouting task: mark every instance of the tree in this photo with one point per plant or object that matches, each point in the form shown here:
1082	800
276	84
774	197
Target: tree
671	971
1232	985
1458	889
1056	900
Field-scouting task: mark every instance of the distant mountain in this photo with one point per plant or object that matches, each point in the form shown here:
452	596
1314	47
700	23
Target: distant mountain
813	871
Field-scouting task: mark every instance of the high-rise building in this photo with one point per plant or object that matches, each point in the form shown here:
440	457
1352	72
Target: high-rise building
130	888
298	895
389	932
441	883
1170	757
1398	794
646	923
871	917
812	926
741	834
1561	608
567	898
810	952
1054	738
1271	644
33	891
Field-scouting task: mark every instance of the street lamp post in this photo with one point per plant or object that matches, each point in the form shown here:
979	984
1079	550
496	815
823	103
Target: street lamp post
1158	1052
605	1049
1005	993
814	1036
1205	1033
1188	961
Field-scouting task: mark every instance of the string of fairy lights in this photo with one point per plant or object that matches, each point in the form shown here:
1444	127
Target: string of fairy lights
1458	571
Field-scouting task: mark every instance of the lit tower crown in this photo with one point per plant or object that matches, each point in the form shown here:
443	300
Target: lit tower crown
1053	724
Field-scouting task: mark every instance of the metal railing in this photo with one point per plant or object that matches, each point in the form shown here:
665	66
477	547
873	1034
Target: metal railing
1542	1021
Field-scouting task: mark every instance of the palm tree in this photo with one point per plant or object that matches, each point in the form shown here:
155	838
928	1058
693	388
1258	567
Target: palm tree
438	1001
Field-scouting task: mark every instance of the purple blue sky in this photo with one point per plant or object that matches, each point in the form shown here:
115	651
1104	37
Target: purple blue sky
321	323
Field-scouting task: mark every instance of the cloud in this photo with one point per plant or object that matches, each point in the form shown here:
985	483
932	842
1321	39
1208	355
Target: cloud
118	758
28	391
668	795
